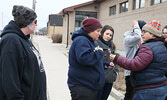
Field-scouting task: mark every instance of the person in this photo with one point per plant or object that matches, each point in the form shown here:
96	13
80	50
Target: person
22	75
164	31
105	42
86	72
132	40
148	68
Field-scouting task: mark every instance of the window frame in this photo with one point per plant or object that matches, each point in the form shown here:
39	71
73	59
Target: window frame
160	1
114	8
139	4
124	9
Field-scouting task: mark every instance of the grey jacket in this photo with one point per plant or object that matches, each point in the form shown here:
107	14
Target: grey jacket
131	41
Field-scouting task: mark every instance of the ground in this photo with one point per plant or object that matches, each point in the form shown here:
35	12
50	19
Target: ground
119	84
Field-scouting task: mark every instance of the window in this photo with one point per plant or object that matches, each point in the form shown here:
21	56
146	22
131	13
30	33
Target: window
124	7
138	4
81	15
112	10
164	0
157	1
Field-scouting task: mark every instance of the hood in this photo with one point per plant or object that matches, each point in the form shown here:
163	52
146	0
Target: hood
13	28
81	32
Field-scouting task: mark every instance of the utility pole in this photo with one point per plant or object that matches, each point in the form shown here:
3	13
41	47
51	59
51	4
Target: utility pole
2	20
34	4
33	7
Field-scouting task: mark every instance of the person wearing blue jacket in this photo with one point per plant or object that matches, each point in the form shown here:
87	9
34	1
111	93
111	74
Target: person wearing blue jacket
22	75
86	71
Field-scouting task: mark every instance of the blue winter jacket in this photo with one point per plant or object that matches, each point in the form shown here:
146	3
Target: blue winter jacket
85	62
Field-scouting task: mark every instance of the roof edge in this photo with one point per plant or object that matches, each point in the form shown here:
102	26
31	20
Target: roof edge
71	9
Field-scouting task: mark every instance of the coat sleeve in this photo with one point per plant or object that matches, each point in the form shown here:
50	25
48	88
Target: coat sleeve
11	73
132	38
142	60
86	54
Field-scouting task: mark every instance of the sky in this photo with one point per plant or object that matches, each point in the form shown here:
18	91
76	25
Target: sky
43	9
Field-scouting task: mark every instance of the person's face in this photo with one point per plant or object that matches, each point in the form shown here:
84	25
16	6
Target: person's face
32	26
146	35
95	34
165	34
107	35
165	31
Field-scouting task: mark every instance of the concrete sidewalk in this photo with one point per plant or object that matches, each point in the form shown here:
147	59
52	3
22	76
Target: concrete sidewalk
55	60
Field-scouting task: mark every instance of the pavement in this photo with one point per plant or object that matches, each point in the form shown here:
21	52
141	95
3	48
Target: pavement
55	60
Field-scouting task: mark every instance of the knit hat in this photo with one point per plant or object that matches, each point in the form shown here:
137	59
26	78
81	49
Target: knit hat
141	23
23	16
90	24
153	27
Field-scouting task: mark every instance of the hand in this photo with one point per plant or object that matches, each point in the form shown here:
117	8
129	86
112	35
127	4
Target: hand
112	56
134	23
112	65
140	43
100	48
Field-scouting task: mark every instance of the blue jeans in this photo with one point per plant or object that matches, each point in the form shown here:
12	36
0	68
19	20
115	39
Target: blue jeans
104	92
158	93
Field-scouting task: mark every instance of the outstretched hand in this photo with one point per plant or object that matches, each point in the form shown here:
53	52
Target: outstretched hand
112	56
112	65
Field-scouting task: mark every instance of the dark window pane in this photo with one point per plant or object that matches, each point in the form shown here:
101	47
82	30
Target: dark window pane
81	15
112	10
123	7
138	4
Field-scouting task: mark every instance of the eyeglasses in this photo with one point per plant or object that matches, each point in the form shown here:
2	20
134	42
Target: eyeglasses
35	21
143	31
164	32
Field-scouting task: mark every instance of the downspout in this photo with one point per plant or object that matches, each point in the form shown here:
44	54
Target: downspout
67	30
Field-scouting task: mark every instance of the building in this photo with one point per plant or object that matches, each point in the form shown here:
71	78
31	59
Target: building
117	13
55	24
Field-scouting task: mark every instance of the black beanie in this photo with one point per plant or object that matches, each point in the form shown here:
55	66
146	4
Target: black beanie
23	16
141	23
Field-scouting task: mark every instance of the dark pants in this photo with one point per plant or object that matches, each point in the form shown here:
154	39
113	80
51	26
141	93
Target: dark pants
82	93
129	89
104	92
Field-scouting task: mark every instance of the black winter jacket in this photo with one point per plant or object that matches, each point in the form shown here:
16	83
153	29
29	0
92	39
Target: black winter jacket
22	75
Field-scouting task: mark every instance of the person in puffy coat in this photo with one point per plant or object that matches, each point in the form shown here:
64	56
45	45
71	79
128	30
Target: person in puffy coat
148	68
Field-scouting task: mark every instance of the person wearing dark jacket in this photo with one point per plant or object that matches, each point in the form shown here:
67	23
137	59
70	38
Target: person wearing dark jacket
105	42
148	68
22	74
86	72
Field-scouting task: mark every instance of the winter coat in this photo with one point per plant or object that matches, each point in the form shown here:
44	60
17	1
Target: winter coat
85	62
106	60
22	75
131	41
148	66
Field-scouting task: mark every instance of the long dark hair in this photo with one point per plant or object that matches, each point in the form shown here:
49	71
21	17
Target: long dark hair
107	27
